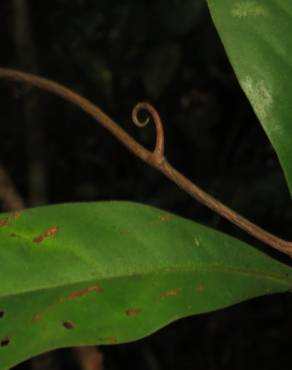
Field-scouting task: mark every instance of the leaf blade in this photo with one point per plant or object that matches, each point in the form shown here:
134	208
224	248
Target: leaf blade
115	272
256	37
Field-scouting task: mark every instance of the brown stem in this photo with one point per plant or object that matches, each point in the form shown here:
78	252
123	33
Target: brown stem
156	158
91	109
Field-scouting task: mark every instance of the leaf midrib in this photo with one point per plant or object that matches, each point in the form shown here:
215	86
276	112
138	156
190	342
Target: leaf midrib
221	269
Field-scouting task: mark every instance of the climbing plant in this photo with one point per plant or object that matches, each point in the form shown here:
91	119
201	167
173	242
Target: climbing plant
112	272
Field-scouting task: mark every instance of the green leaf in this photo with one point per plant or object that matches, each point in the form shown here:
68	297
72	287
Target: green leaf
257	37
113	272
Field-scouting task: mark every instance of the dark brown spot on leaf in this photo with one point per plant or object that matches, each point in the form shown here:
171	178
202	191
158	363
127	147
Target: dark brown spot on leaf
4	342
133	312
81	293
68	324
48	233
170	293
2	314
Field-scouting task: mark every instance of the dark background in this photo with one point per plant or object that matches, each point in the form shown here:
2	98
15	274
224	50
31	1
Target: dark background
168	53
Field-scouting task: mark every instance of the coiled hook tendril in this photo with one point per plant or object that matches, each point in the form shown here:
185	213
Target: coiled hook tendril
159	146
156	158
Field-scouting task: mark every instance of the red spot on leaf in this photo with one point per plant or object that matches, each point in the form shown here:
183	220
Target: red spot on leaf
133	312
48	233
81	293
200	288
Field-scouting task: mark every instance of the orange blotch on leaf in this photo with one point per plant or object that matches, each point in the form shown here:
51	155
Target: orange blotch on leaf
171	293
81	293
5	221
130	312
164	218
48	233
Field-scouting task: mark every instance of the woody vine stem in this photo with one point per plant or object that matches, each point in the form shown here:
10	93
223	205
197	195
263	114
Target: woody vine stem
154	158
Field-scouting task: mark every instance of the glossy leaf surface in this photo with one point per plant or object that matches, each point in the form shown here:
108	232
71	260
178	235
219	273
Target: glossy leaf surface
104	273
257	37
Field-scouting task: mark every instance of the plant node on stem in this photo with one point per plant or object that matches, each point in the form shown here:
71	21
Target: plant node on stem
154	158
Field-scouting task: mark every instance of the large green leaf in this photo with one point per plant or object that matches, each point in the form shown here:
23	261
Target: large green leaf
101	273
257	36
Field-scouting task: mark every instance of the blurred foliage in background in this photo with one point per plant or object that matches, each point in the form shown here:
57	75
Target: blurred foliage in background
168	53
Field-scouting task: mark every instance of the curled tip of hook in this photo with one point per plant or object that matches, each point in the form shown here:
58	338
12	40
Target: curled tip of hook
140	123
159	147
136	110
